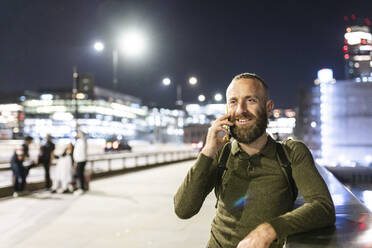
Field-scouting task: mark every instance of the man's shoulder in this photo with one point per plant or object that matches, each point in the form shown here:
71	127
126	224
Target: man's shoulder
296	150
293	146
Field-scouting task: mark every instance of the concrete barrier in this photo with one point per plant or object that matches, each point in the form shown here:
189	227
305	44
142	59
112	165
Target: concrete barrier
121	163
353	226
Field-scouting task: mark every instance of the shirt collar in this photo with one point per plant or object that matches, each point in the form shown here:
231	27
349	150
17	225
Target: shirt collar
269	149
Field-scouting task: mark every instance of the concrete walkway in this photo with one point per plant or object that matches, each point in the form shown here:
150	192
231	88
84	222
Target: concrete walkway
134	210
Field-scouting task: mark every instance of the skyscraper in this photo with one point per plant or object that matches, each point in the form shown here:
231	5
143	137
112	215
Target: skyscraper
357	52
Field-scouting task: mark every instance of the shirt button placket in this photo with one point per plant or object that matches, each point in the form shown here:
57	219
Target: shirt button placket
250	167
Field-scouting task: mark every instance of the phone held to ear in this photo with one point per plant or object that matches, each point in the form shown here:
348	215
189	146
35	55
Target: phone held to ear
227	136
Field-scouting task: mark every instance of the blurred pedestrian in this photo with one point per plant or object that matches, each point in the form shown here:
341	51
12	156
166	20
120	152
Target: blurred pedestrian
46	157
80	158
26	146
28	163
19	171
63	172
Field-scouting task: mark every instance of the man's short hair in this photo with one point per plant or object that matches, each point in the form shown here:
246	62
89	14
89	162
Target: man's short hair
256	77
28	138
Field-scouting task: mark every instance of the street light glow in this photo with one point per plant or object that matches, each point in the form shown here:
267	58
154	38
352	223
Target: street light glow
201	98
218	97
133	43
193	80
99	46
166	81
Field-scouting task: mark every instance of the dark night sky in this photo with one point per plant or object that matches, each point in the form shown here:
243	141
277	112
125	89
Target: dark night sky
285	42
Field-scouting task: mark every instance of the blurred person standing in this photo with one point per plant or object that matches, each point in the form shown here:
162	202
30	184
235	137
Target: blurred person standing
27	162
80	158
63	173
19	171
26	146
46	157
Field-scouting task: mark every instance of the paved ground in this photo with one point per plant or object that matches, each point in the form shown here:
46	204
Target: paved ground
134	210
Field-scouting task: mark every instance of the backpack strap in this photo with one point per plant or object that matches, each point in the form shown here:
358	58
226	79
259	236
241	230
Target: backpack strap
221	167
287	169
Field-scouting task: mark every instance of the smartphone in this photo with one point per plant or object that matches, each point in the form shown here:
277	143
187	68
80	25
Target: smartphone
227	136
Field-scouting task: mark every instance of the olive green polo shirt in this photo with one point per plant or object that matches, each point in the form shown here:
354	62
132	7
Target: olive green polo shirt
255	190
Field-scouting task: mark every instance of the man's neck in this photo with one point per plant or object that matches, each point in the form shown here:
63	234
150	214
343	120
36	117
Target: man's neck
256	146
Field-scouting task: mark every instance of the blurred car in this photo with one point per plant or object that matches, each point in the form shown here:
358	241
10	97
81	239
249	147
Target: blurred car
117	143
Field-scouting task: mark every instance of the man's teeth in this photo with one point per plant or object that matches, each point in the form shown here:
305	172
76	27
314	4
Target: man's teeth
244	120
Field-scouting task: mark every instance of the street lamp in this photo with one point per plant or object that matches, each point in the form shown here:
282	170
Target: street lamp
201	98
132	44
75	78
99	46
167	82
193	80
218	97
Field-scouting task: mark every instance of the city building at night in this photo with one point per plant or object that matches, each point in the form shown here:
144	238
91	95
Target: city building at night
11	121
282	124
335	119
357	53
101	113
198	120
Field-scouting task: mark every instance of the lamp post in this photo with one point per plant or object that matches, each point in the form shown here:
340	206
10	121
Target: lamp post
179	102
131	43
75	79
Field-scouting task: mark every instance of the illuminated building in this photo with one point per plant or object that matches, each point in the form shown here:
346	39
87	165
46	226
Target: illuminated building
165	125
98	118
308	125
282	124
11	121
357	52
336	119
198	120
100	114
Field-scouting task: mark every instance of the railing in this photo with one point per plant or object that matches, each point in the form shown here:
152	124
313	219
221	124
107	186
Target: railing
160	156
111	164
136	161
353	227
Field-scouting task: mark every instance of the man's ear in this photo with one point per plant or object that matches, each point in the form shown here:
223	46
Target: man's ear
269	107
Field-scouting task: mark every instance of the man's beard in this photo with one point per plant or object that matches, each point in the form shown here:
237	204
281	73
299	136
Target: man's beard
249	133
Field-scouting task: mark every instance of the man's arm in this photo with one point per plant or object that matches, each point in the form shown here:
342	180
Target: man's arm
197	184
201	178
318	211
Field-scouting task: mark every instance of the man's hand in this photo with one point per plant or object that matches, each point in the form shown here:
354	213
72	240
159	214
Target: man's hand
213	141
261	237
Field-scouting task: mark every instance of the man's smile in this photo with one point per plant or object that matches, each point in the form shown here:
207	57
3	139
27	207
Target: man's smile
244	121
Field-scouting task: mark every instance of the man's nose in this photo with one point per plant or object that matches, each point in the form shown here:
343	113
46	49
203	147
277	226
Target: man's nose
241	108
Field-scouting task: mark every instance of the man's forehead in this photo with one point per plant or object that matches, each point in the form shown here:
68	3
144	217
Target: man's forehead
250	85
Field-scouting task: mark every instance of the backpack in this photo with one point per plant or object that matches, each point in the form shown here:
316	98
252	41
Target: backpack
283	160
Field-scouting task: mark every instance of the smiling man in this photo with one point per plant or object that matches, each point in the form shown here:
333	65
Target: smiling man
255	197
